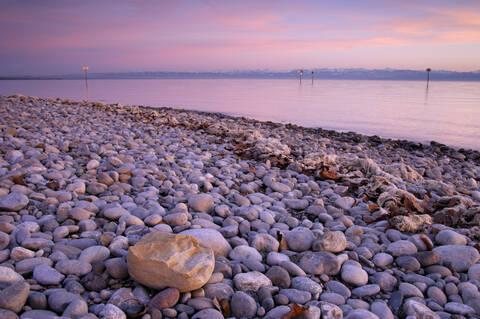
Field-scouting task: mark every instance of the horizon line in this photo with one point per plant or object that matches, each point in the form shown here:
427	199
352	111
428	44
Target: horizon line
259	71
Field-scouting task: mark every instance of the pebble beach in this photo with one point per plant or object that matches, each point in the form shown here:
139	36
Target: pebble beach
113	211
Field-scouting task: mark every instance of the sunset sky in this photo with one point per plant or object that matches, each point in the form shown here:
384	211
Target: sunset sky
58	37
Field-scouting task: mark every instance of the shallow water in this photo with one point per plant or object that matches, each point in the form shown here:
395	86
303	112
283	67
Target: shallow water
447	112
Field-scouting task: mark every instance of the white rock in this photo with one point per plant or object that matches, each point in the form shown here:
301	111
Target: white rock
251	281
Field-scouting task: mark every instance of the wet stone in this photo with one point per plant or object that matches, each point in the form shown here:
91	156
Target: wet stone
297	296
456	257
367	290
13	202
299	239
46	275
73	267
279	276
14	296
243	305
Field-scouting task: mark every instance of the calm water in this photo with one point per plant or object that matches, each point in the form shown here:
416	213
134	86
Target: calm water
448	112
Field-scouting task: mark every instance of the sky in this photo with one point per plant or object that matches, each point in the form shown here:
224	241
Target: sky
59	37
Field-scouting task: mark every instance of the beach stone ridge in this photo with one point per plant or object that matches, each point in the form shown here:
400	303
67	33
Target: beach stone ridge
112	212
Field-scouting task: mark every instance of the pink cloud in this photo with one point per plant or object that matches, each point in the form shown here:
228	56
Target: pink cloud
172	34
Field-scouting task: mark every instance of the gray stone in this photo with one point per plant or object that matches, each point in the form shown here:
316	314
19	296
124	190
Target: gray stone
456	257
4	240
20	253
76	309
94	254
296	204
14	296
458	308
73	267
354	275
292	268
333	241
229	231
117	268
166	298
277	312
318	263
201	202
299	239
245	252
437	269
39	314
381	309
401	248
382	259
265	243
450	237
200	303
46	275
251	281
115	213
279	277
7	314
78	213
408	263
366	290
330	311
427	258
386	281
306	284
395	302
242	305
279	187
437	295
208	314
112	312
96	188
332	297
36	243
8	276
60	299
409	290
413	278
37	300
361	314
338	287
254	265
13	202
344	203
219	290
176	219
297	296
474	272
419	310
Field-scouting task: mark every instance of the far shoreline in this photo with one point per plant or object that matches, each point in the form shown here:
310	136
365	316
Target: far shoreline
346	136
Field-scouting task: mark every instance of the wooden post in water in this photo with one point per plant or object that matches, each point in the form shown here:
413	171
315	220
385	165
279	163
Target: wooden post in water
312	77
85	68
300	72
428	75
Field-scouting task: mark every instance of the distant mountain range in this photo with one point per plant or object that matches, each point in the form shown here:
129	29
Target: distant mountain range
344	74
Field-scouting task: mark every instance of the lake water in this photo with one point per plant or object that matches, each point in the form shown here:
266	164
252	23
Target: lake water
447	112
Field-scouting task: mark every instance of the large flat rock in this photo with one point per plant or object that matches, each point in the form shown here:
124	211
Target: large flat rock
163	259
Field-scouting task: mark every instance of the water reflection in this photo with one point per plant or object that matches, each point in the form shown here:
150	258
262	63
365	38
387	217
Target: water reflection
426	95
86	89
399	109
